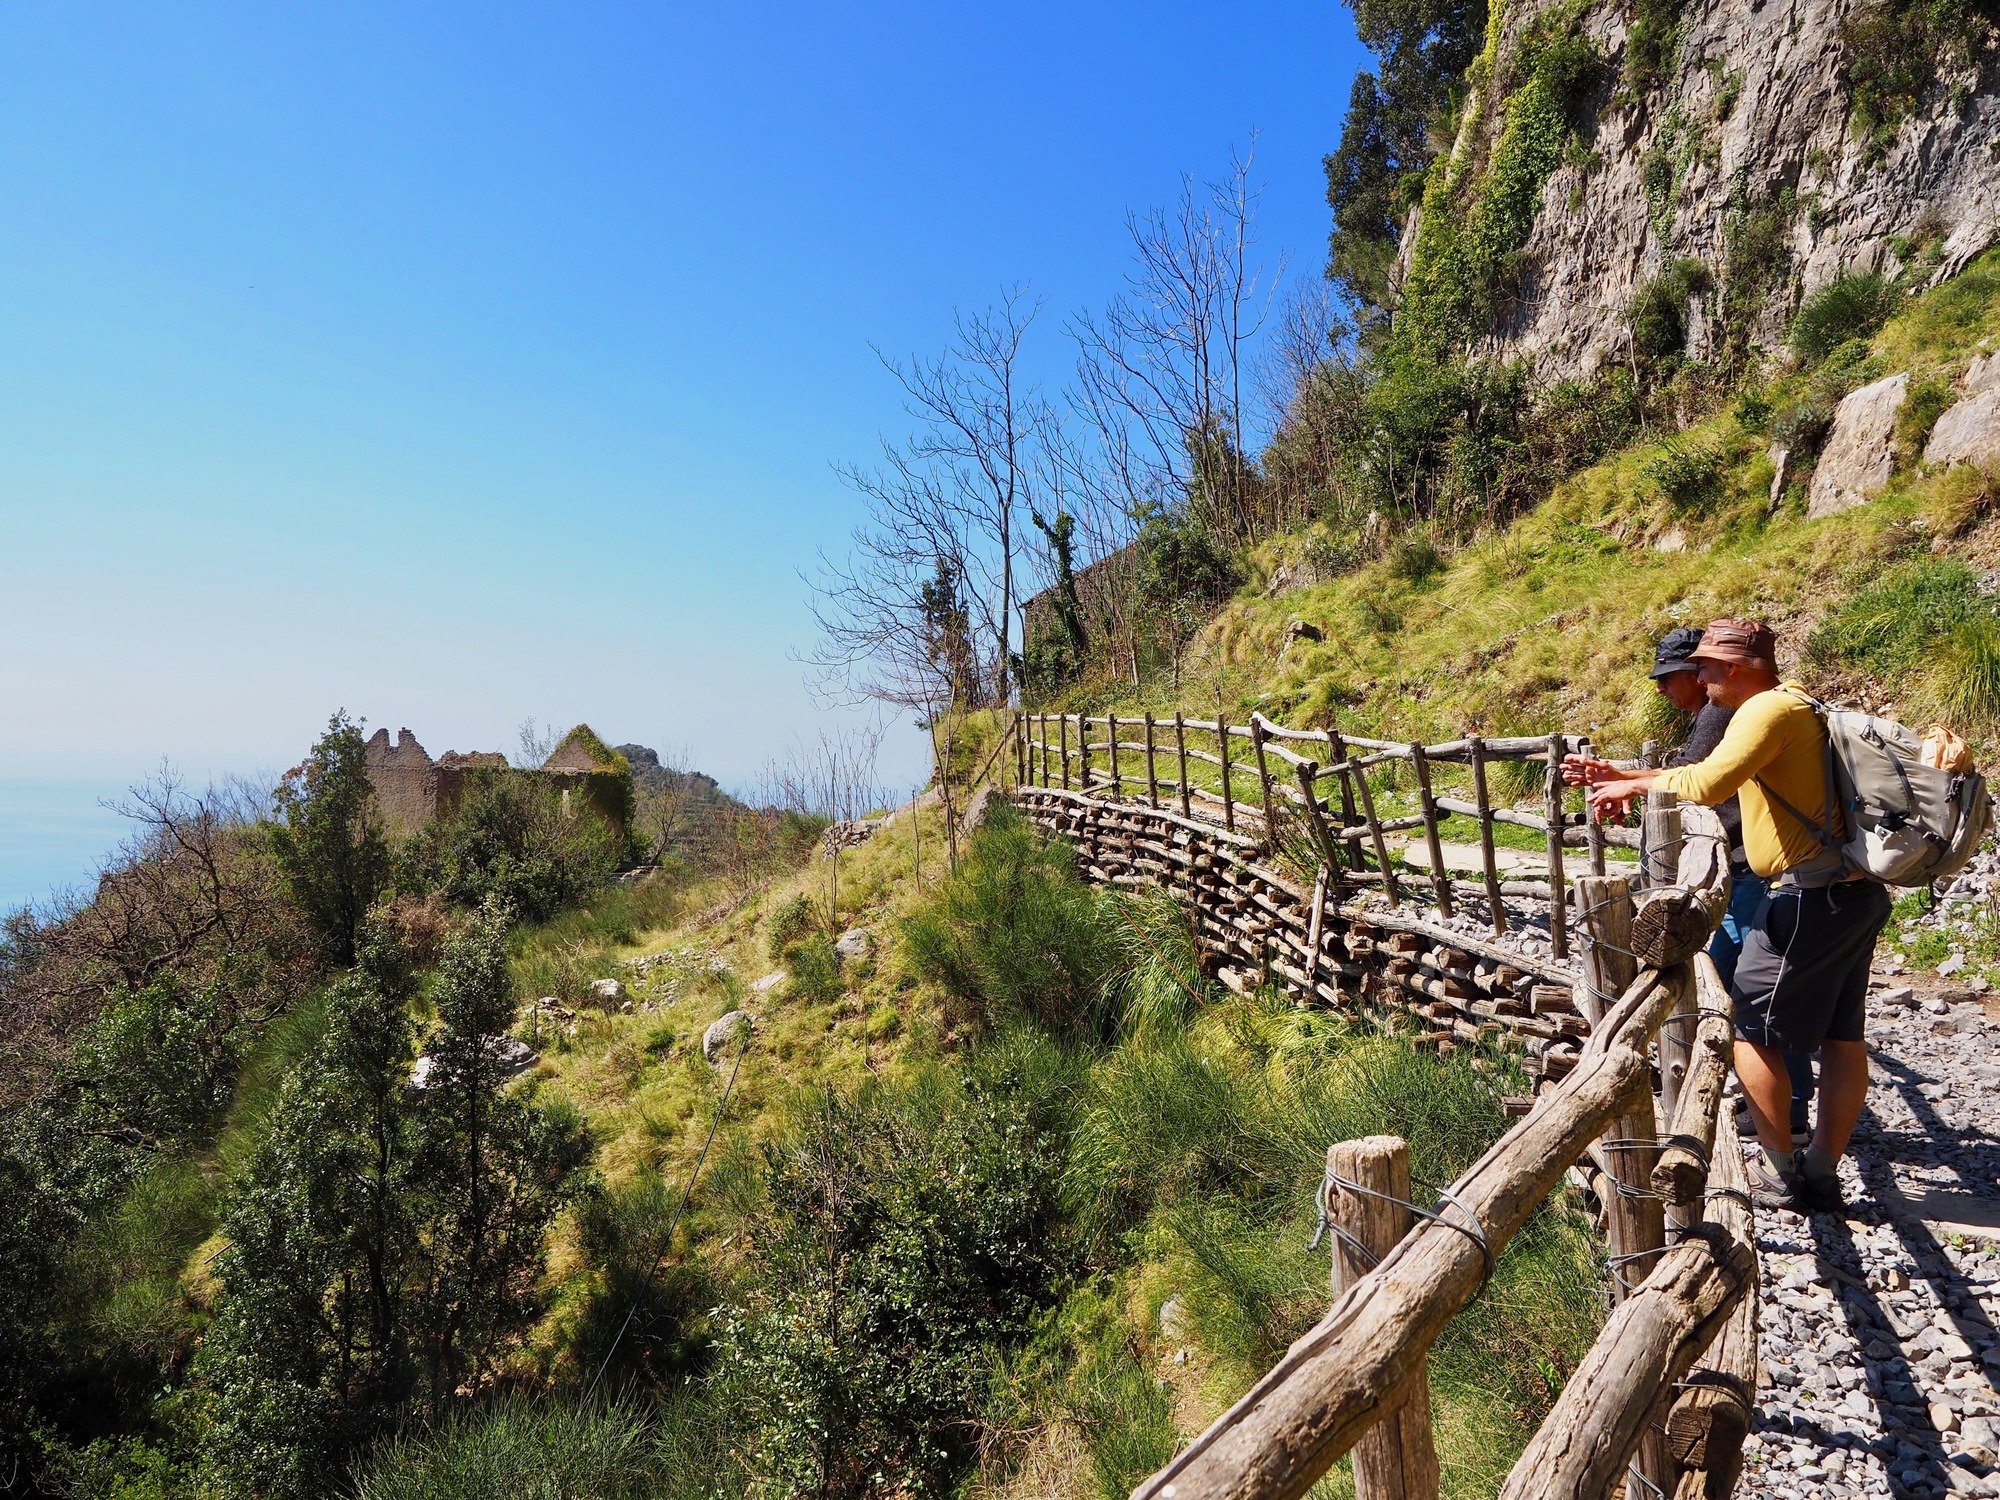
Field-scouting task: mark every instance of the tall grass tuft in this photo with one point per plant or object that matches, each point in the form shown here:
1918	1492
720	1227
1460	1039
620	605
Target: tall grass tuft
1160	983
521	1450
1849	307
1013	934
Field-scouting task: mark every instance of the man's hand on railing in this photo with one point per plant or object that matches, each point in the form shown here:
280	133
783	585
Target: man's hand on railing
1587	770
1614	798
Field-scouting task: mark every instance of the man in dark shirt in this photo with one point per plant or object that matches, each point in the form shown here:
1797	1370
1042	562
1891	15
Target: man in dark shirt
1674	675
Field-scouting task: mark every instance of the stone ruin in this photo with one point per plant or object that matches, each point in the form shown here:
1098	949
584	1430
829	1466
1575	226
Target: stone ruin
412	789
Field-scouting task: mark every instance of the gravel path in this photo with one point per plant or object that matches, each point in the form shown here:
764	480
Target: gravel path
1882	1365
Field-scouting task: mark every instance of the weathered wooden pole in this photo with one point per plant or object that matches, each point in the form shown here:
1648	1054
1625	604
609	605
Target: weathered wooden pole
1651	1341
1495	907
1440	876
1389	881
1083	753
1336	747
1111	733
1593	827
1712	1416
1152	775
1264	781
1228	792
1062	725
1180	760
1660	843
1604	922
1314	938
1322	835
1552	796
1395	1459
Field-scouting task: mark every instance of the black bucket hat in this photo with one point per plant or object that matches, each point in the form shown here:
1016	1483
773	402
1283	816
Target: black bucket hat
1674	653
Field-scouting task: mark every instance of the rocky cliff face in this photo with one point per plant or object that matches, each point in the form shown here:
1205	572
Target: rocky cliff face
1744	156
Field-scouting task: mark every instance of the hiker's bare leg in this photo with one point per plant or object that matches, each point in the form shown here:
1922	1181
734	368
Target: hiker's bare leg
1843	1093
1768	1087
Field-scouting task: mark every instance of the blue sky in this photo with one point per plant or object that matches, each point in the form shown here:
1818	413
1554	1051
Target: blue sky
456	364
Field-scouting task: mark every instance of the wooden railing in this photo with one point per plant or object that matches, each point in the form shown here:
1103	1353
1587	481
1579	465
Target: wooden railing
1662	1401
1265	780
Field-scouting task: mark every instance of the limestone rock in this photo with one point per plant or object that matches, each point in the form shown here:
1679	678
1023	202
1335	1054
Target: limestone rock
978	810
1860	450
768	983
1763	89
508	1056
607	992
721	1032
1968	432
853	943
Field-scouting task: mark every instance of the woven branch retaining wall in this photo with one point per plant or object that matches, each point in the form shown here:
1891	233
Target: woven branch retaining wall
1256	925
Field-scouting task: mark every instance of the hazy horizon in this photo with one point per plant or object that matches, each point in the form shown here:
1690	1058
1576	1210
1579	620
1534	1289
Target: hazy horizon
454	367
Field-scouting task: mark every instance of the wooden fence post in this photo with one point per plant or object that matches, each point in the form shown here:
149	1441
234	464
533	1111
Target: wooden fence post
1553	806
1314	928
1322	835
1062	727
1083	753
1152	776
1389	881
1440	876
1593	827
1604	921
1264	781
1496	908
1180	760
1228	792
1349	816
1661	838
1111	733
1395	1459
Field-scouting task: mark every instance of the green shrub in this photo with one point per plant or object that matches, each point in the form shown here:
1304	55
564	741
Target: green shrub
512	839
1658	316
1685	474
1013	933
1923	628
1927	399
622	1232
1413	557
789	923
1849	307
910	1239
815	970
1803	425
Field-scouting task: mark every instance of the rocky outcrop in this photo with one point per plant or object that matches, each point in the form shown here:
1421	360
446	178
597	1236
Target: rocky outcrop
1750	130
727	1029
1860	451
1969	431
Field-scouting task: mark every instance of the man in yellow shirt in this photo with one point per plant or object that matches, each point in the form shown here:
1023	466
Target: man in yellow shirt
1802	980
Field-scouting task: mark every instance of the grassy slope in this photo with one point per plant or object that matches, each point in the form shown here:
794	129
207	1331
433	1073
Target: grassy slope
1101	1390
1552	620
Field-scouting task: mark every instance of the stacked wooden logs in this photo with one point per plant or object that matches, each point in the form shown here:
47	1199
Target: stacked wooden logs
1256	927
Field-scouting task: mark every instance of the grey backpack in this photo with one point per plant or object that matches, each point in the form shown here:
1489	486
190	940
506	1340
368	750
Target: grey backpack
1905	823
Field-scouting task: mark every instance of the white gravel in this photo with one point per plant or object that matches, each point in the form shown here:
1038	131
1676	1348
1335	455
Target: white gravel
1881	1358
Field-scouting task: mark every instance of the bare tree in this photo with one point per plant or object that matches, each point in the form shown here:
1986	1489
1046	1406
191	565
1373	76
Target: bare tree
943	531
535	744
831	778
1163	368
189	892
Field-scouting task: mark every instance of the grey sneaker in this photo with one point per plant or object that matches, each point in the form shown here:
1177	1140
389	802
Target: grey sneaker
1767	1188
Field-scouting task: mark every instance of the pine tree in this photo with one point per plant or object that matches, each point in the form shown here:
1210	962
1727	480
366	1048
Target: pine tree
330	845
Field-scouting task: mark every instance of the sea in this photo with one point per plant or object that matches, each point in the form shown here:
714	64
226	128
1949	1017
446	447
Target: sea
53	835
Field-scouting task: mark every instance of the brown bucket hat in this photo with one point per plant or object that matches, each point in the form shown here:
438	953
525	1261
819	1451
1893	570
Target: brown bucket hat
1747	643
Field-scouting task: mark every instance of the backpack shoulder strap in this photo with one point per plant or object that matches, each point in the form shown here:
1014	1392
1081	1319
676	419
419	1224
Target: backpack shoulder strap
1824	832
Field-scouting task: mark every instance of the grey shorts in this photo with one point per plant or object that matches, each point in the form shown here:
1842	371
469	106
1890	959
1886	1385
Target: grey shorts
1803	976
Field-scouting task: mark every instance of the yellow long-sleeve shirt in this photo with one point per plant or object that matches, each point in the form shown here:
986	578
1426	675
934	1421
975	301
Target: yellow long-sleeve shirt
1776	739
